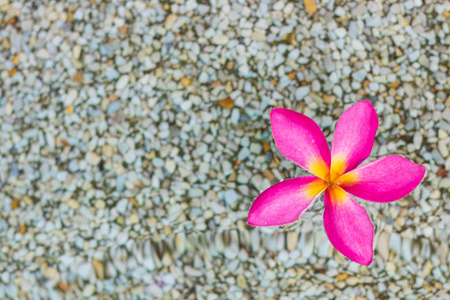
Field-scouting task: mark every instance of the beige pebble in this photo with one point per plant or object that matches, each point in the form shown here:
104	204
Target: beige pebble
107	150
134	218
171	19
76	51
341	276
328	99
93	158
186	82
241	282
72	203
352	280
100	204
292	240
99	268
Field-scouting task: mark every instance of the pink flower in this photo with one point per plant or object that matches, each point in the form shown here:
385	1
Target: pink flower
337	174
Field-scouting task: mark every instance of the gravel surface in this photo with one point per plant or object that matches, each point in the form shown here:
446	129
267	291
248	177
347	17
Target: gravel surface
135	136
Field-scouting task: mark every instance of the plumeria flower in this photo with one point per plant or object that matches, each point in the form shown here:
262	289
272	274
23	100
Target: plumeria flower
346	223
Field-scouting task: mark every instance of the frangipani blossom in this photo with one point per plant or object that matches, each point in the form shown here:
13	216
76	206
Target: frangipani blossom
336	173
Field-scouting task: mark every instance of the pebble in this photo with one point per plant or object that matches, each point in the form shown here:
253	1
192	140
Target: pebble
122	237
231	196
310	6
301	92
72	203
170	21
130	157
329	99
352	280
241	281
113	107
170	166
107	150
84	271
89	290
186	82
122	82
359	75
100	204
93	158
220	39
122	206
226	103
111	74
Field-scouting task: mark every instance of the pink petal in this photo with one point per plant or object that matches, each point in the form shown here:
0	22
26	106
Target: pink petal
300	139
284	202
383	180
353	138
348	226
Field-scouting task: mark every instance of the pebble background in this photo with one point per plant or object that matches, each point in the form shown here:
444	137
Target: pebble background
135	136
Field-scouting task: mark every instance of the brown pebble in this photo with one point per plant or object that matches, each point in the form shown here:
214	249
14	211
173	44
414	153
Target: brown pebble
366	83
215	83
186	82
11	21
447	102
113	97
405	22
16	58
394	84
15	204
328	99
6	44
64	287
134	202
289	38
70	16
276	160
266	146
291	75
78	77
22	229
427	287
341	276
310	6
237	163
226	103
99	268
69	109
123	29
267	174
441	172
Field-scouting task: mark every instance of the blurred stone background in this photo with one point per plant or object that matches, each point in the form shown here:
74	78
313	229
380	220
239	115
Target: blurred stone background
135	136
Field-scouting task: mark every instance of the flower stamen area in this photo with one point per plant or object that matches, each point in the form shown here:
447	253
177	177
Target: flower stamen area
338	167
343	180
337	194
